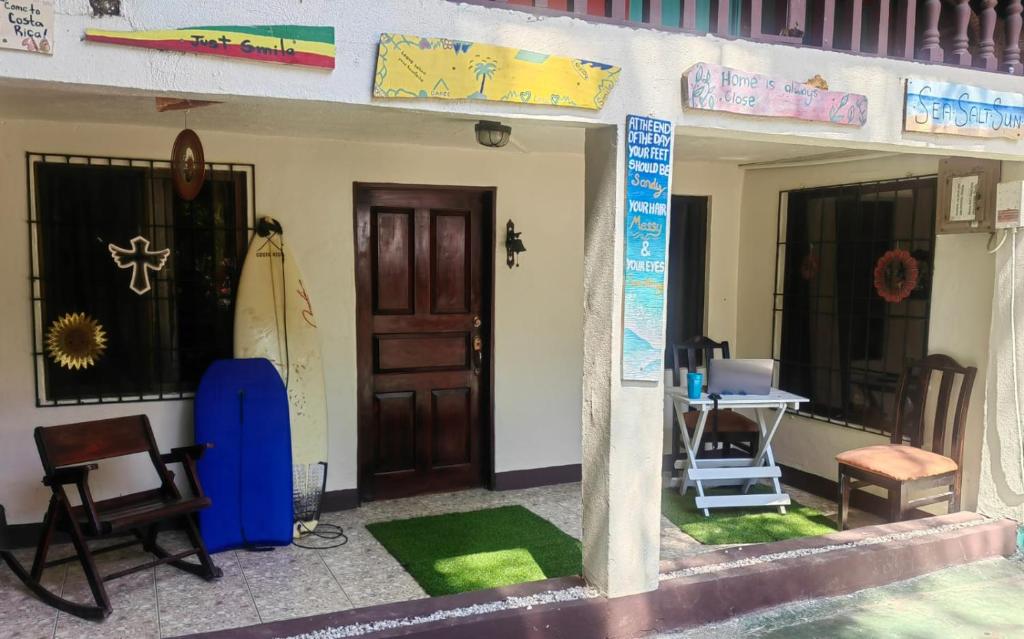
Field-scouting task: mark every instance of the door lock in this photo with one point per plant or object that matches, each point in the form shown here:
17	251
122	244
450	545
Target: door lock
478	346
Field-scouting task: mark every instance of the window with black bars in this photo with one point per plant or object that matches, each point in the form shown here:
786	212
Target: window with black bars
158	342
837	340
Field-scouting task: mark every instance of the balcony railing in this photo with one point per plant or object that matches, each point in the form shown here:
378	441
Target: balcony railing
982	34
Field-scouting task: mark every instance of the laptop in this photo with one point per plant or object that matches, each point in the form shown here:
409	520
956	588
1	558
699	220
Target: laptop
740	376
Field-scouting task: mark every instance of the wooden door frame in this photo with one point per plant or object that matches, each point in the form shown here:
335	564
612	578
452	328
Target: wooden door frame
364	355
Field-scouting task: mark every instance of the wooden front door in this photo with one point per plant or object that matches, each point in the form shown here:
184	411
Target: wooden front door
422	265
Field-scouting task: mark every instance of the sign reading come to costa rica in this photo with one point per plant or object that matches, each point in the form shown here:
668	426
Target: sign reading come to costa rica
27	25
281	43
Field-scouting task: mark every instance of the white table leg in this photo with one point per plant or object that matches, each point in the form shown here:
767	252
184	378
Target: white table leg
691	454
764	452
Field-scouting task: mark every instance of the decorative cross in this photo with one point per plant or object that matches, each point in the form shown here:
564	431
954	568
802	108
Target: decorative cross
140	260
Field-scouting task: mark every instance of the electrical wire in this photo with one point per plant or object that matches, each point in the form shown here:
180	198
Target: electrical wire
992	236
329	532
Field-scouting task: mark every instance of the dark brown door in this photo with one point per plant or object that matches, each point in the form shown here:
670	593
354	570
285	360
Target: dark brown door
421	266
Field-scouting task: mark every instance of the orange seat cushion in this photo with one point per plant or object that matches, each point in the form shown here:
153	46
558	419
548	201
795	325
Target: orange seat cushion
896	461
728	422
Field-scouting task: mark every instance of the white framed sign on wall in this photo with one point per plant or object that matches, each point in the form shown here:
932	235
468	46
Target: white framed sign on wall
27	25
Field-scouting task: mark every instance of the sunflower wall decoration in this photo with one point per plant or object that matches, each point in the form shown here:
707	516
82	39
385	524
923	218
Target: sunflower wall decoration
75	341
896	275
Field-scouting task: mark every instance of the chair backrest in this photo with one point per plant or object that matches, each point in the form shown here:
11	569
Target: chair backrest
83	442
693	348
915	396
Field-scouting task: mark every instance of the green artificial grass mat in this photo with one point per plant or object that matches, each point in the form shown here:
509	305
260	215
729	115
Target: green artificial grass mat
741	525
459	552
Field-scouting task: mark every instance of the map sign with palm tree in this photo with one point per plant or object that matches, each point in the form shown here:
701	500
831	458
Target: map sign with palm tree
483	69
414	67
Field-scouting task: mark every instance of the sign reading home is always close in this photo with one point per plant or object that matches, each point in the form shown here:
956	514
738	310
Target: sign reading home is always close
648	172
960	109
716	88
281	43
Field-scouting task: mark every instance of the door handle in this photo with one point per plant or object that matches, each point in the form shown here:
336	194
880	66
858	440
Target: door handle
478	347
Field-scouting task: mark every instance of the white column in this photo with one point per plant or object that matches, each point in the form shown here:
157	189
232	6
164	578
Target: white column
1001	486
622	421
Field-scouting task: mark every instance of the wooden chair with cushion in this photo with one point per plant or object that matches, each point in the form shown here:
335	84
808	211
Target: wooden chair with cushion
68	453
916	460
727	427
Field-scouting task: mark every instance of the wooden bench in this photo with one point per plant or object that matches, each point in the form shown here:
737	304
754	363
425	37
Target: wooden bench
68	454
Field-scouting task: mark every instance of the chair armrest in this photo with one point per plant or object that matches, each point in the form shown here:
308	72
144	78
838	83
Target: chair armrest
187	457
183	453
69	475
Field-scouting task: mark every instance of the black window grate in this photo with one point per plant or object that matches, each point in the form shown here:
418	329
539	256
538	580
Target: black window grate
158	343
835	340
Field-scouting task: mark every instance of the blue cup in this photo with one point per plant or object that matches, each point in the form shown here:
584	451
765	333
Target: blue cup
694	385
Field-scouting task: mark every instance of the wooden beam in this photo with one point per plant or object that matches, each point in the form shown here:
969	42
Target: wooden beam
1011	50
883	29
179	104
961	40
756	12
828	25
654	13
930	49
856	25
986	41
724	8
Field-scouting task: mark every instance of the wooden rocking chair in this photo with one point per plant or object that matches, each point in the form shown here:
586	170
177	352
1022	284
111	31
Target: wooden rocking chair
67	453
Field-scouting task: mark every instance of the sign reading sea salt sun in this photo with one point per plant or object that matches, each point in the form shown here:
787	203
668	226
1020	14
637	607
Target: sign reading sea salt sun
716	88
414	67
27	25
960	109
281	43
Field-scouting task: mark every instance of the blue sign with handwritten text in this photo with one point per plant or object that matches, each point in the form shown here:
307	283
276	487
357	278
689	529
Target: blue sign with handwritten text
648	172
960	109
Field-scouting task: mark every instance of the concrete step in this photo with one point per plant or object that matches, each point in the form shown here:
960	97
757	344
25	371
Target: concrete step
698	590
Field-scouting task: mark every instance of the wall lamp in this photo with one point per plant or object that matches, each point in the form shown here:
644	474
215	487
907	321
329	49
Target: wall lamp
492	134
513	244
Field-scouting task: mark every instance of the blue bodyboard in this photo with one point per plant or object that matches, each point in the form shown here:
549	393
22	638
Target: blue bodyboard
241	407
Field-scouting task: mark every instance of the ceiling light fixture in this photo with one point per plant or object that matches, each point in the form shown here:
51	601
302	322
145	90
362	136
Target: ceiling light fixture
492	134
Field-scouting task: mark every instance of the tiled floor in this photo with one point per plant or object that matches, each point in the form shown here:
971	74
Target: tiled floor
287	582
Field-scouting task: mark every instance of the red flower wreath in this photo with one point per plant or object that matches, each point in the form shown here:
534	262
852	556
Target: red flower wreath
896	275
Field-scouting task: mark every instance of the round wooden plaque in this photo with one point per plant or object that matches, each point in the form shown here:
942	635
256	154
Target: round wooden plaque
188	165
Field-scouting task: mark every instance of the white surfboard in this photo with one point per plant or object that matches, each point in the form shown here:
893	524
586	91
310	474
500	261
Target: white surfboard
274	319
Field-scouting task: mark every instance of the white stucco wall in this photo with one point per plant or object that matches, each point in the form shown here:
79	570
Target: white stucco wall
542	193
307	184
1001	491
652	62
962	289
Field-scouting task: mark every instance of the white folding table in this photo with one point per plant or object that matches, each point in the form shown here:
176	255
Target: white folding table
744	471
